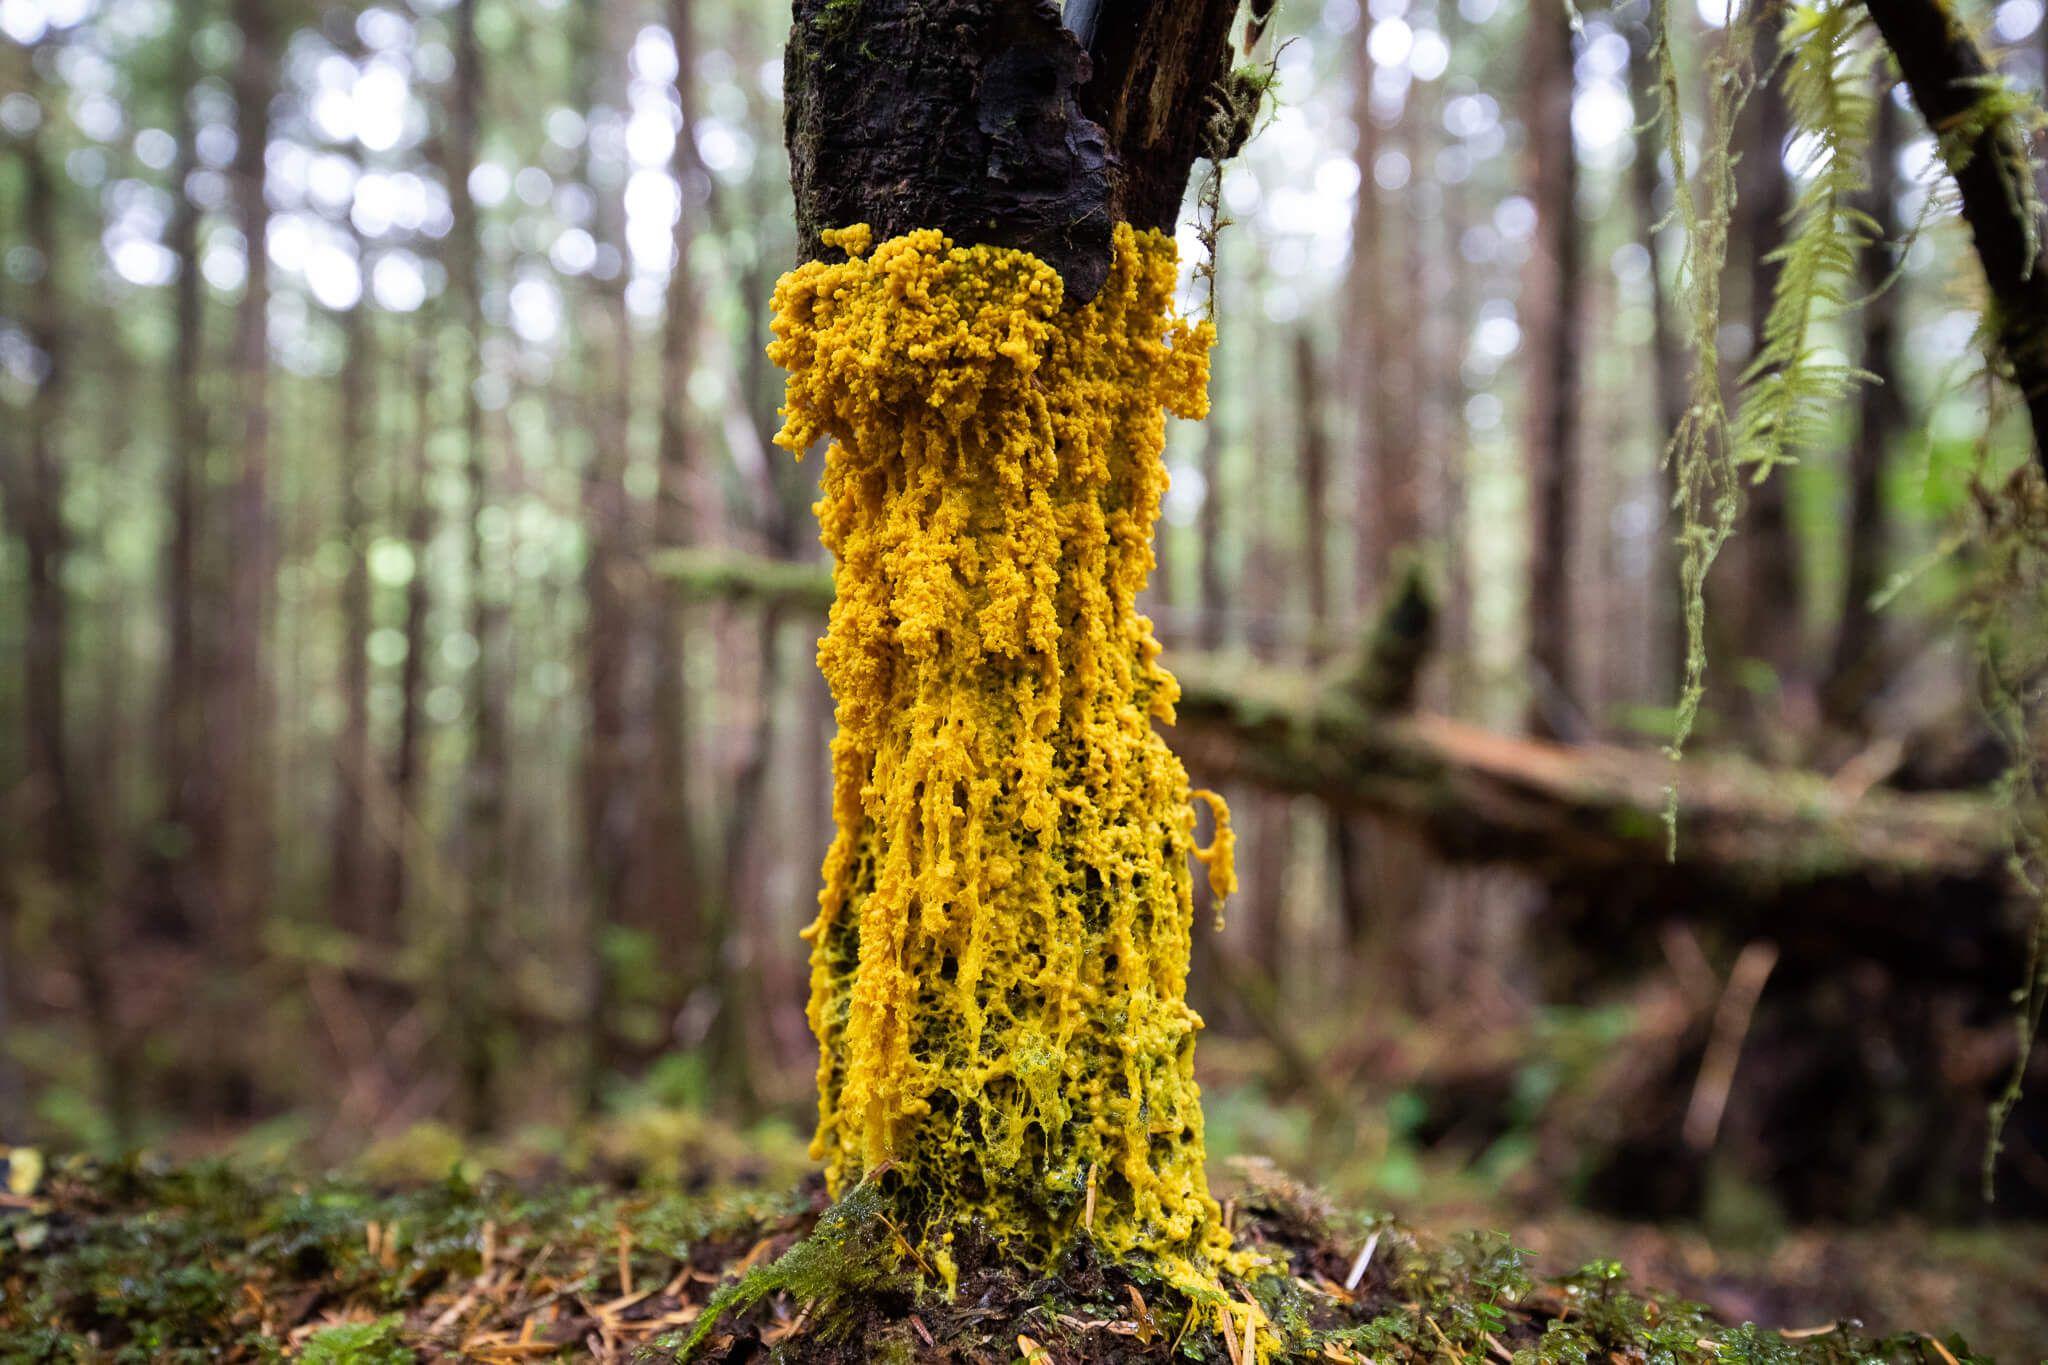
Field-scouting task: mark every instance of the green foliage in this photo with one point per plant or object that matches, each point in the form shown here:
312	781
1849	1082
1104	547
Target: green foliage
148	1265
1791	388
359	1343
163	1266
852	1253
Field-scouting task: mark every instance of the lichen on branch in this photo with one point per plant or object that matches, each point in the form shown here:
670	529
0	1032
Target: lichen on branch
1000	956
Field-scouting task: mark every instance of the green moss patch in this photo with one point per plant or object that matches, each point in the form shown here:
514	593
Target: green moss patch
137	1262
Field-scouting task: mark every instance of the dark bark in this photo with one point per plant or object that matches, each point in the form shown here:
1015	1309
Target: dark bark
1947	76
1012	131
1881	416
1550	342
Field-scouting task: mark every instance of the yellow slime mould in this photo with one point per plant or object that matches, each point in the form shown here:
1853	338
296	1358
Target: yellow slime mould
999	963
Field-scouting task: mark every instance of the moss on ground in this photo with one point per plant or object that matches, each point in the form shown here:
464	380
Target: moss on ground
139	1262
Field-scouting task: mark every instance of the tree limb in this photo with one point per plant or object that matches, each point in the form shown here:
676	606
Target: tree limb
1986	151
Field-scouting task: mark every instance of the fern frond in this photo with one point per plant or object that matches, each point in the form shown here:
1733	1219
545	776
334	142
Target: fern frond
1791	388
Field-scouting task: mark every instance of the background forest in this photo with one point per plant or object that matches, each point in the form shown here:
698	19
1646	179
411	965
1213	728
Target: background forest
411	726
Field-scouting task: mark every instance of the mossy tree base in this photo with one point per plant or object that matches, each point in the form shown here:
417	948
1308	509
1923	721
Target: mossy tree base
127	1263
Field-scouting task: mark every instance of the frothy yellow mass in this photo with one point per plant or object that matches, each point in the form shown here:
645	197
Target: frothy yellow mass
999	963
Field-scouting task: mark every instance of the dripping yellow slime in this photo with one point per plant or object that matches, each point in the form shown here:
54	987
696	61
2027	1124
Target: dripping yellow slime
999	963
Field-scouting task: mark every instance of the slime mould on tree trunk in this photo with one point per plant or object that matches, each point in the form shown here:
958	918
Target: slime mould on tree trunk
999	963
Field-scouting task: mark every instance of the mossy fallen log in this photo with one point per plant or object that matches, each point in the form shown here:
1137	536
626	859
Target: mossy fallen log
1789	853
1814	861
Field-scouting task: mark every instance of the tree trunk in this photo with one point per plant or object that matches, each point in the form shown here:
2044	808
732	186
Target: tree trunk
1667	371
1313	454
238	851
348	859
1212	583
1365	286
187	766
994	123
1881	417
1763	593
406	764
990	121
611	783
32	482
676	905
1550	341
484	807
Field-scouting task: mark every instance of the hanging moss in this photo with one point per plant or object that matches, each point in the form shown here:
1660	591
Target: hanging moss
1706	494
1000	956
1792	384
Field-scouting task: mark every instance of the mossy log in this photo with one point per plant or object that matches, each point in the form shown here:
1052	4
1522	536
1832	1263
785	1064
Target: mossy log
1789	852
1815	862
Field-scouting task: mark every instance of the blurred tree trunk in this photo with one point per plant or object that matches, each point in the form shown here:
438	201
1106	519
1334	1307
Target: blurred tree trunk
611	784
743	954
1313	459
1446	369
1762	594
418	521
348	857
1389	517
1667	367
187	766
1551	338
1264	598
484	806
1881	416
675	899
241	725
1384	479
1212	593
62	869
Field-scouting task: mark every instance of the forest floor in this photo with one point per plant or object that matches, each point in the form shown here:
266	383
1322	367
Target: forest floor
605	1258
